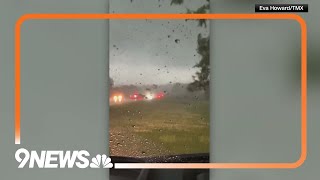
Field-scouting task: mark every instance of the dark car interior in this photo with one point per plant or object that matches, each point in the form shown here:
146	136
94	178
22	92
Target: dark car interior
160	174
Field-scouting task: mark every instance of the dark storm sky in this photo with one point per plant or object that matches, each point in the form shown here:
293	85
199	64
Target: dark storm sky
153	51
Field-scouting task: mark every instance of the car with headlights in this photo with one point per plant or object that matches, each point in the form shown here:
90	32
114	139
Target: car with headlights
137	96
117	98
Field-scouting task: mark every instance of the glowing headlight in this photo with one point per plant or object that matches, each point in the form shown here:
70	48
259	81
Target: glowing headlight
115	98
120	98
149	96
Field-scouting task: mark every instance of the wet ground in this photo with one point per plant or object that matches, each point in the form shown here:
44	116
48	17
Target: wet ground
126	143
159	127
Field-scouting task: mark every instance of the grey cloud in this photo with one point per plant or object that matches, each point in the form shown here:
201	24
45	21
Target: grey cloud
145	46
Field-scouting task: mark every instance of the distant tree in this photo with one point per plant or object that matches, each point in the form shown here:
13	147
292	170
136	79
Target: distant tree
154	86
201	80
111	82
201	10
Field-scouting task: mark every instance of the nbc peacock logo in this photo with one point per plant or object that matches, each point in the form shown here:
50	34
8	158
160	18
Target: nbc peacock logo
101	160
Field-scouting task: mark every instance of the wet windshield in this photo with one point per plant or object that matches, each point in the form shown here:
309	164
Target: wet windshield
159	81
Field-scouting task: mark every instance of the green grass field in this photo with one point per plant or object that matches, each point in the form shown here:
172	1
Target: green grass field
159	127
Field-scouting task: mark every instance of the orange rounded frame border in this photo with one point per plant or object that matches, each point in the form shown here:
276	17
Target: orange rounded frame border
289	165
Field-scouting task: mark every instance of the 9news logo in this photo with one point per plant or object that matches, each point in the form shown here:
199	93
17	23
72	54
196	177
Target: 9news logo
61	159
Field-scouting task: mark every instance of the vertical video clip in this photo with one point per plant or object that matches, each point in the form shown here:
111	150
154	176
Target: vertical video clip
159	89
